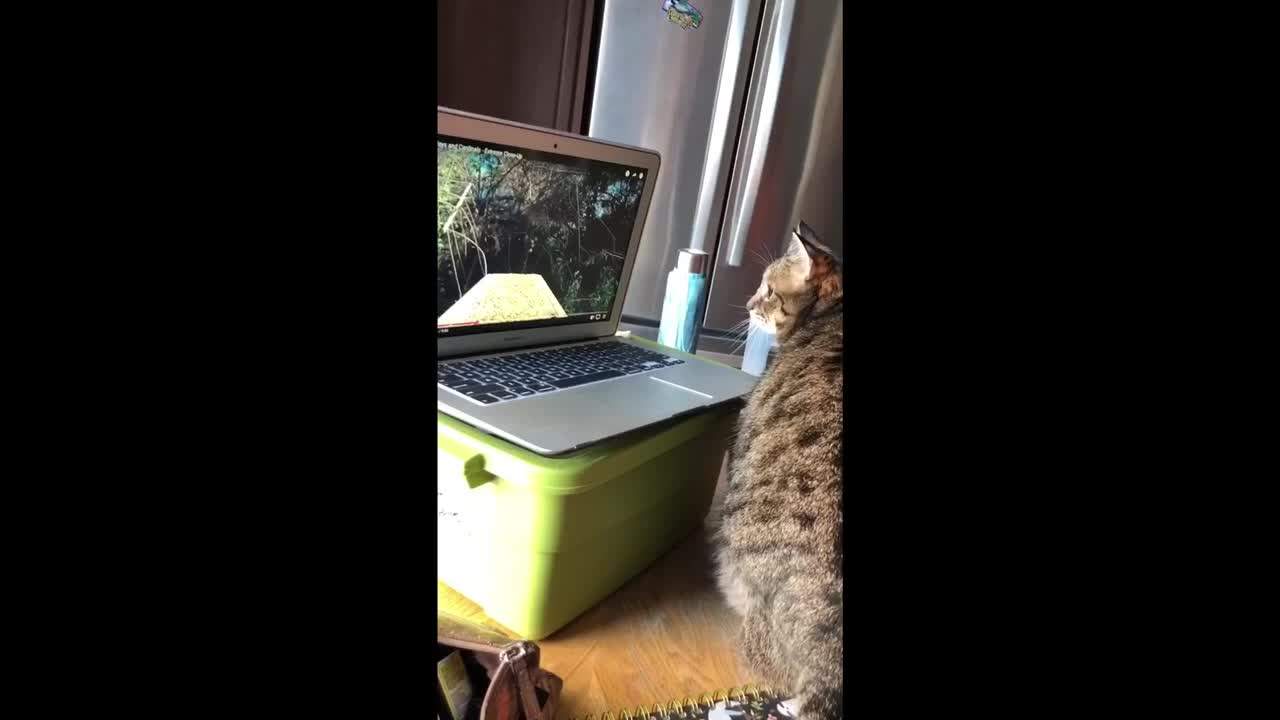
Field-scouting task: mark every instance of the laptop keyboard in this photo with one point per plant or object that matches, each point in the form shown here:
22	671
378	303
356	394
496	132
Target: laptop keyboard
492	380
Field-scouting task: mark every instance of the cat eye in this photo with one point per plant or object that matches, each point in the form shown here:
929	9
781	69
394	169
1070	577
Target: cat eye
770	289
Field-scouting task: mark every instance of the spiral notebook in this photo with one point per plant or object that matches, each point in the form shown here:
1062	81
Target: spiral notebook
744	703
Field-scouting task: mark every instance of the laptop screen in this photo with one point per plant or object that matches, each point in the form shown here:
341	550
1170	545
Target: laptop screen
528	239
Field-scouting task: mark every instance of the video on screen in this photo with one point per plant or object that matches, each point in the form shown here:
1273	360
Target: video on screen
524	237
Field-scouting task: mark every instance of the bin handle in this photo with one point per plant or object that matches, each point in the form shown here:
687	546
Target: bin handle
473	470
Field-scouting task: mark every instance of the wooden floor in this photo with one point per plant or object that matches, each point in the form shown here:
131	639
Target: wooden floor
665	635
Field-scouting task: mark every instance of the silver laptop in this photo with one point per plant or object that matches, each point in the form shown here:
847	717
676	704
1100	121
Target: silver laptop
536	235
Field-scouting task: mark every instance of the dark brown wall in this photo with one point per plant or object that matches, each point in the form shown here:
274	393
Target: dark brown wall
521	60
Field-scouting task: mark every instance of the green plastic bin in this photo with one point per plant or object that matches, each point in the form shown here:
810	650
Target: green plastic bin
536	541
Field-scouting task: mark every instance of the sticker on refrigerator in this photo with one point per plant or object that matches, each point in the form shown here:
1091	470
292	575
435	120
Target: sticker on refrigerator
682	13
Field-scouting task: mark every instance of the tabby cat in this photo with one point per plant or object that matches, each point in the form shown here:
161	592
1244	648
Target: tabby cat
780	543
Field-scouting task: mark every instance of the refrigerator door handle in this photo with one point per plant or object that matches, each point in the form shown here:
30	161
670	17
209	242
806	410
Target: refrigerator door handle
757	126
740	21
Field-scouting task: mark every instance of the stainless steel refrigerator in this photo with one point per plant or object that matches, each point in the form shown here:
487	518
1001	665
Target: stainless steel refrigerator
744	99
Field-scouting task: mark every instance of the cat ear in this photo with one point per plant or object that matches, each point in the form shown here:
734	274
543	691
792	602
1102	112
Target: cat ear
820	265
796	249
812	244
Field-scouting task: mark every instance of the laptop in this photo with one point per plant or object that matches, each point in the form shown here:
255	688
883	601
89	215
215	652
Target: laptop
536	237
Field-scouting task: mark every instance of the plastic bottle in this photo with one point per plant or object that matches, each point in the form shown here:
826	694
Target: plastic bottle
682	305
755	355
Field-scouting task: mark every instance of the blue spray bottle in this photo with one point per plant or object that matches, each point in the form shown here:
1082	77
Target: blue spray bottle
682	306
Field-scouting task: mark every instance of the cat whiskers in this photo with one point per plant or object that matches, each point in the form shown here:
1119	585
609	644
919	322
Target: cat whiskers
738	334
768	258
739	330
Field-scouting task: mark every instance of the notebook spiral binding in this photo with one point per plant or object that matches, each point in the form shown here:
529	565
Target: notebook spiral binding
690	707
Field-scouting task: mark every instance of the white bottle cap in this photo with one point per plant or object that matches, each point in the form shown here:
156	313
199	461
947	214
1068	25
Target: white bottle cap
691	261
